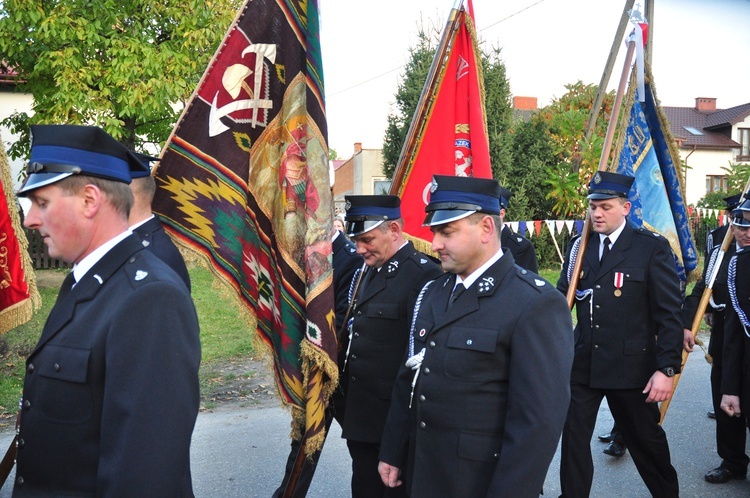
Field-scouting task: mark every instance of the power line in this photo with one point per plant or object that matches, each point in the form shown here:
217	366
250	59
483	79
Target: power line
403	65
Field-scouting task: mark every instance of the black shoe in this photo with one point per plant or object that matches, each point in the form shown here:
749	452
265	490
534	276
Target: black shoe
606	438
615	449
720	475
711	414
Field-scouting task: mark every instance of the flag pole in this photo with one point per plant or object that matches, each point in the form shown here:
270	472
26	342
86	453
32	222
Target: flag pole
702	305
602	167
426	100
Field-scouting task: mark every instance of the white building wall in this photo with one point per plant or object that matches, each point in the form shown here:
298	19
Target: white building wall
700	164
11	102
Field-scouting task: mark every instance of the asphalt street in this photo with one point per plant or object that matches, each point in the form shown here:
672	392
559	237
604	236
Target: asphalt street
241	452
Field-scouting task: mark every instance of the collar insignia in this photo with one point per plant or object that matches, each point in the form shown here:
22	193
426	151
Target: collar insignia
392	266
140	275
145	243
486	284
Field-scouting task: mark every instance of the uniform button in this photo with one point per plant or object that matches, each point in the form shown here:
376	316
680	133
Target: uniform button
356	334
421	397
30	368
19	480
496	456
352	378
353	357
359	313
132	260
21	443
597	306
380	313
596	326
596	346
427	370
57	367
432	344
422	425
27	404
598	286
469	342
627	275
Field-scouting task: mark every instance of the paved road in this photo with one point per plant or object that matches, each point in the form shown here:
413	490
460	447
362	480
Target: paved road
241	452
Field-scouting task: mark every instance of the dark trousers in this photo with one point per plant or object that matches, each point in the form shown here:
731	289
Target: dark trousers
639	423
366	482
730	431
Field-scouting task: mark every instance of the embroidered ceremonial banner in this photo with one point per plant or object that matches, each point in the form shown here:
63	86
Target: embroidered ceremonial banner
244	182
657	194
18	293
454	139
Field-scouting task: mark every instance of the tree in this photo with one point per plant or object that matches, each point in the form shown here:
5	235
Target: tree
125	65
576	159
407	98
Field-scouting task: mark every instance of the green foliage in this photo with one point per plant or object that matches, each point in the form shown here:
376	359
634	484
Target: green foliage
124	65
713	200
737	175
407	98
576	158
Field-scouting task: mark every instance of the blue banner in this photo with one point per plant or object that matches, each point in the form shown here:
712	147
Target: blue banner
656	197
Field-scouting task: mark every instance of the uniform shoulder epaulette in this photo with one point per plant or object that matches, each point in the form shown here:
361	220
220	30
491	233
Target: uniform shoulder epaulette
533	280
649	233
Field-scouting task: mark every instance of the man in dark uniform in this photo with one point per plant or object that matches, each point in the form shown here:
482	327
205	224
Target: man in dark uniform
735	382
379	331
346	262
111	391
716	236
522	249
147	226
730	431
628	340
491	352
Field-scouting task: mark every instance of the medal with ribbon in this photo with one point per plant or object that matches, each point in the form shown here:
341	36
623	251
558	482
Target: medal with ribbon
619	277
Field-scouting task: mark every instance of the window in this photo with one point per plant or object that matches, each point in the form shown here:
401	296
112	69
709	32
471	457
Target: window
744	140
693	131
715	183
381	186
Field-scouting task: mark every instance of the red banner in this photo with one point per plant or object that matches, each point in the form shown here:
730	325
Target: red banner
18	297
454	139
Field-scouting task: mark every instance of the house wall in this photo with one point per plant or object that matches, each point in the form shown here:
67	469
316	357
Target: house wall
701	164
11	102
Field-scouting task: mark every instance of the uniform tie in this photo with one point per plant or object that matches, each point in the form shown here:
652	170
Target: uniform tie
457	291
67	285
605	251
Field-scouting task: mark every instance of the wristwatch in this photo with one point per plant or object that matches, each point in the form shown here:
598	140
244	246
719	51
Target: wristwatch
669	371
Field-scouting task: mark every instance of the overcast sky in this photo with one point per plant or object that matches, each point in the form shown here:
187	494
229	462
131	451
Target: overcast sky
700	49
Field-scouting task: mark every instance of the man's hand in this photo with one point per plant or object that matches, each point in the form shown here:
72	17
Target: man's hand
688	341
731	405
659	388
389	474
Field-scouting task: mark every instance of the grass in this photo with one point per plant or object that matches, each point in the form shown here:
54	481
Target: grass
226	336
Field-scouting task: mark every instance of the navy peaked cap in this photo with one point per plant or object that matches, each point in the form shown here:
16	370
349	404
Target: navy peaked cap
365	212
606	185
505	196
59	151
456	197
146	161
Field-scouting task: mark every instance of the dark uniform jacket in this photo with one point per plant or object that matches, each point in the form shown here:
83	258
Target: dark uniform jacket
346	261
111	393
627	338
522	249
735	378
382	316
493	391
717	305
156	240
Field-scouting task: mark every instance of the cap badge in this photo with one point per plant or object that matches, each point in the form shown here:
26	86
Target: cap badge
433	186
486	284
140	275
348	205
597	178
